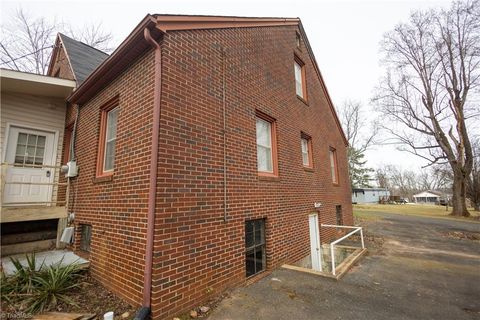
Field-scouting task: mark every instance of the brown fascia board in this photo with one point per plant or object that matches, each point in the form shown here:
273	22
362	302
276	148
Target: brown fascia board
171	22
129	49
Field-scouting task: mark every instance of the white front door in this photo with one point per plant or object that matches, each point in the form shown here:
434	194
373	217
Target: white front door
28	150
315	249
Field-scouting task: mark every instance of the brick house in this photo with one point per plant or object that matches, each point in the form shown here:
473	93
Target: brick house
202	144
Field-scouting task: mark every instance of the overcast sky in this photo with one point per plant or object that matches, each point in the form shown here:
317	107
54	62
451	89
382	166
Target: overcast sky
344	35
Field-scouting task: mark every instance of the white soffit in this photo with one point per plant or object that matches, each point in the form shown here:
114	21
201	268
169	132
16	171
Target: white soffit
35	84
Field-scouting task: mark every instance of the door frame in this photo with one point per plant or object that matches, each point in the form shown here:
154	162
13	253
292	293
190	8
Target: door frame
318	240
56	136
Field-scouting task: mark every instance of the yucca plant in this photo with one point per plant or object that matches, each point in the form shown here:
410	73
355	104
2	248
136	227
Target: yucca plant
52	286
40	287
24	274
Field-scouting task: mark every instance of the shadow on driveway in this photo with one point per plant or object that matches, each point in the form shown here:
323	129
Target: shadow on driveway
420	273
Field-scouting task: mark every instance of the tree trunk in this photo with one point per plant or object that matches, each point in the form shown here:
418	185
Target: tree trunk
459	198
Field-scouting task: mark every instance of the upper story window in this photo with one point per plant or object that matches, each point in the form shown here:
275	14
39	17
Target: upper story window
300	87
307	157
266	145
108	140
333	165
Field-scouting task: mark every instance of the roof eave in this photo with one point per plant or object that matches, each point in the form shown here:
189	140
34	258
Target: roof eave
134	43
131	47
35	84
168	22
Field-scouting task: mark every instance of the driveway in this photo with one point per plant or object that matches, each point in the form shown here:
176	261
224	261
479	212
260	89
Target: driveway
424	270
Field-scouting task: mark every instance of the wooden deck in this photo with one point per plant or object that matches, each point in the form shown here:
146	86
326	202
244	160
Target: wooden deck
32	213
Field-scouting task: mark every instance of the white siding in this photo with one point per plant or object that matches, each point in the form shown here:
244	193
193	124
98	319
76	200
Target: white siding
33	112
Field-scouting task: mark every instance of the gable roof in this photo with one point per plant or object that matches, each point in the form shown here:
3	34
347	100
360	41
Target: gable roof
428	193
83	59
158	24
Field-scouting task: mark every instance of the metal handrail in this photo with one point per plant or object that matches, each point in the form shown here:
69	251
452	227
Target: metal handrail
332	244
56	182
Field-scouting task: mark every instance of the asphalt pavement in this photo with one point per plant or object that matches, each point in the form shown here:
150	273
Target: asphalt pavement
425	269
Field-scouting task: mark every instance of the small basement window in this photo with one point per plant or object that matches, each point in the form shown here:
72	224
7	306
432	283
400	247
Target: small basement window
339	214
255	258
85	237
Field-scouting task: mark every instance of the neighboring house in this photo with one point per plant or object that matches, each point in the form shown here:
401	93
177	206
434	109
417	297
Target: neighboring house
369	195
432	197
31	139
203	144
35	143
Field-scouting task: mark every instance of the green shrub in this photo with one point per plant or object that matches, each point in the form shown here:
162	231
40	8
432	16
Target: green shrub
40	287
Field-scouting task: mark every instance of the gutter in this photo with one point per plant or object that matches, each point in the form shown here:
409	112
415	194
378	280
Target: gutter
145	311
131	47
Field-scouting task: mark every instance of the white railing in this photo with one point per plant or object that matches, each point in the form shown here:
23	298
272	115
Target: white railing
55	185
332	244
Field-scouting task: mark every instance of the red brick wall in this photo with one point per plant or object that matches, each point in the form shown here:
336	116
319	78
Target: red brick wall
62	66
195	250
197	254
116	208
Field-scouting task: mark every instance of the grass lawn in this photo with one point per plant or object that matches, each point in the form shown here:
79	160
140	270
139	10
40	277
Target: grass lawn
372	210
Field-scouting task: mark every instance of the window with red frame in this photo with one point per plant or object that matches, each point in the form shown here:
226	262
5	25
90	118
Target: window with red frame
266	145
108	139
333	165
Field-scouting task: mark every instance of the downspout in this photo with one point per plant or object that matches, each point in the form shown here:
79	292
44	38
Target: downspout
144	312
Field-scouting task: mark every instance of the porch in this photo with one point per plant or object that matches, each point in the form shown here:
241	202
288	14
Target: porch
33	207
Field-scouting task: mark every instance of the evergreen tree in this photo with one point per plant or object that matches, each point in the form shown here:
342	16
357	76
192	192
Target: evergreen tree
359	174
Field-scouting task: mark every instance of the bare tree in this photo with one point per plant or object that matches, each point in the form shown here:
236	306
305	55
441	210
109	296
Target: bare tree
91	34
435	178
27	42
403	181
361	135
433	64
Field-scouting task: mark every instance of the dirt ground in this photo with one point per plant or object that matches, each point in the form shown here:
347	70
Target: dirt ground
91	298
417	268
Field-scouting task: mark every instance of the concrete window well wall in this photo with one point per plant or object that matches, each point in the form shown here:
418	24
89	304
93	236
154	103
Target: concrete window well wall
335	259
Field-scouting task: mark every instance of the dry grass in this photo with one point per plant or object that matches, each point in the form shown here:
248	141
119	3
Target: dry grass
370	210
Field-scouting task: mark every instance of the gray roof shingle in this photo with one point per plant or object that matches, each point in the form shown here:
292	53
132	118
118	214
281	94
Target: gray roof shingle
83	58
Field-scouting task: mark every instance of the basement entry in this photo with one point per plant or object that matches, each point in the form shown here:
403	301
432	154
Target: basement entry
331	260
